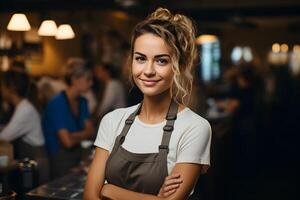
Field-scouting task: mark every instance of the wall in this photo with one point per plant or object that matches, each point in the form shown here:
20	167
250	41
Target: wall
55	52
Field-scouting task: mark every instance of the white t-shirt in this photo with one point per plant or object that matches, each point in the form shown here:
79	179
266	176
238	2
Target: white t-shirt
190	140
25	123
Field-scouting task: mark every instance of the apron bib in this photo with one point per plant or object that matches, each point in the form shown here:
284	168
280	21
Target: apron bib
142	172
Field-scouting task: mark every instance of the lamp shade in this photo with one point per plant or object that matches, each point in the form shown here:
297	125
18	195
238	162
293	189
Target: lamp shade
48	28
18	22
64	32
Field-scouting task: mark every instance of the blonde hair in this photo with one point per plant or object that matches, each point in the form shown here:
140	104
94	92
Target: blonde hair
179	33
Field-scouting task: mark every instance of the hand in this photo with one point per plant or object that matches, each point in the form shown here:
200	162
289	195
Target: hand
170	185
105	192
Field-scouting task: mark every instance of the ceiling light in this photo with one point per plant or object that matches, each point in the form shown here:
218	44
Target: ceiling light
48	28
18	22
64	32
284	48
276	47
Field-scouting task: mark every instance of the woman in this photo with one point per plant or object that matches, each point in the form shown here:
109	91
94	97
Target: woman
158	148
66	121
24	129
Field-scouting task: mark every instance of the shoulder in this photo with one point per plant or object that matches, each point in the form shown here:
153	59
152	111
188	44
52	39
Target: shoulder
57	99
25	108
192	117
192	122
57	103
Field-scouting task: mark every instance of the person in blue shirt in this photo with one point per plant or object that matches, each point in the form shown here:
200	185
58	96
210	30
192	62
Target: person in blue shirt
66	120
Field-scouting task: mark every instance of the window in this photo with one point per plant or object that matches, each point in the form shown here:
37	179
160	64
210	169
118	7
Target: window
210	55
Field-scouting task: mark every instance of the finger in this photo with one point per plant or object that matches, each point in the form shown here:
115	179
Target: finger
172	176
173	181
169	193
171	187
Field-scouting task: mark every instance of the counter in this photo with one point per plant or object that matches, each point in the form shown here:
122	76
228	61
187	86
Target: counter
69	186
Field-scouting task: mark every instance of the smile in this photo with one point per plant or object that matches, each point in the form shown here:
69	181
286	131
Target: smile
149	83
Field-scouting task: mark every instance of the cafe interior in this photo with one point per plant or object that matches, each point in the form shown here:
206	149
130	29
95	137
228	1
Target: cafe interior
246	84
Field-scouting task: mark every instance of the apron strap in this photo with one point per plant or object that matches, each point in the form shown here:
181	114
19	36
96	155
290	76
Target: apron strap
128	123
168	128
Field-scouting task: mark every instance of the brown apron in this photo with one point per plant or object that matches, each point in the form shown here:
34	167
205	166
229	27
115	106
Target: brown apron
143	172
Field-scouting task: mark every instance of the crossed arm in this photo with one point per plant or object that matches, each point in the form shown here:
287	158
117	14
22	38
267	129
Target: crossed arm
96	190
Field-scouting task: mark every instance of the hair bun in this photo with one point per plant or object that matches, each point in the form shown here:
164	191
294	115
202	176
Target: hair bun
161	14
178	18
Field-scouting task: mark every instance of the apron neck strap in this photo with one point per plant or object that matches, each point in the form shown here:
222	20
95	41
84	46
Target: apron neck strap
128	123
168	128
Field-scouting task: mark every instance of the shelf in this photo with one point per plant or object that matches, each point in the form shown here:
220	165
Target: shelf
11	52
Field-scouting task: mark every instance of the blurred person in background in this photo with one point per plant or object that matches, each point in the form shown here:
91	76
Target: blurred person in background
48	87
24	129
113	94
66	120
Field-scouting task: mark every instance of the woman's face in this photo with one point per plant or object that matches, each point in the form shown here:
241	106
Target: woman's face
152	65
83	83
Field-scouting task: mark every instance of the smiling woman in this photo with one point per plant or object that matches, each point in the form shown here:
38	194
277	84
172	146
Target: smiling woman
152	70
158	148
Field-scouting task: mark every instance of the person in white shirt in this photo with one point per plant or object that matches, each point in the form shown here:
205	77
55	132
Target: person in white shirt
24	128
113	95
157	149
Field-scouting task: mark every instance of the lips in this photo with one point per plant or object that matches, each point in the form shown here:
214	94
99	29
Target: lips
149	82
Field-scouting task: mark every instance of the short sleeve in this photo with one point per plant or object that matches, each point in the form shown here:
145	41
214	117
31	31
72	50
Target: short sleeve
105	136
194	146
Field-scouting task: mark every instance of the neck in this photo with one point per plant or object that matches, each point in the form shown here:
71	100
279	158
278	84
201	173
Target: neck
155	108
72	93
16	100
106	80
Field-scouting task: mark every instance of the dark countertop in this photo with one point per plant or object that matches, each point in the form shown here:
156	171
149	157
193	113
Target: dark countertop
69	186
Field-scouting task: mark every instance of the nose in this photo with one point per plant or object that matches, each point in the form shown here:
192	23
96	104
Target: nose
149	69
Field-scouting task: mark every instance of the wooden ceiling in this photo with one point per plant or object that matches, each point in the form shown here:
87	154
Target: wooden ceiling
199	9
209	13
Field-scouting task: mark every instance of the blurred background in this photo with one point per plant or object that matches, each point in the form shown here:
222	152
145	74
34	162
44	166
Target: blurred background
247	85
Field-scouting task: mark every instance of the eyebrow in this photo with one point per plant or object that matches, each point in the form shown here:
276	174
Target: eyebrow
156	56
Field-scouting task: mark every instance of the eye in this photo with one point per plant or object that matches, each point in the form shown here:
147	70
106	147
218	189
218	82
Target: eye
140	59
162	61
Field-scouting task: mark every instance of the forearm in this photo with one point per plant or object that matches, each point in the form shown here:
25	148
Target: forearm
117	193
70	140
13	130
77	137
95	177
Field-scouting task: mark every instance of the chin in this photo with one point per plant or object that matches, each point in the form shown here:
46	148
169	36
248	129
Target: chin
152	92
